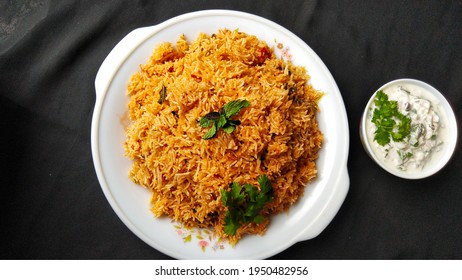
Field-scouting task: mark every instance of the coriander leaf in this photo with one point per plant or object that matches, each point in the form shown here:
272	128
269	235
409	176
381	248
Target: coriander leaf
236	194
380	98
404	128
251	191
245	203
231	224
404	156
262	199
250	212
224	196
258	219
232	108
265	184
382	137
390	122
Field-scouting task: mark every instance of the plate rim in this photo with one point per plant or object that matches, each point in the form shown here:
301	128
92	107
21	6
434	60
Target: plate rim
149	31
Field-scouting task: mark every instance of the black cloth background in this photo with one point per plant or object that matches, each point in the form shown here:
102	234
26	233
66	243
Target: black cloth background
51	204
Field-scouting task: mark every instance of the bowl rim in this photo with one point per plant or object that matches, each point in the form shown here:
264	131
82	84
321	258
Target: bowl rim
452	127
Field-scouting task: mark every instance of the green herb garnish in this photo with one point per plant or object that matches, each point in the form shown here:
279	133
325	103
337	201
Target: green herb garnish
245	203
404	156
391	124
162	94
223	119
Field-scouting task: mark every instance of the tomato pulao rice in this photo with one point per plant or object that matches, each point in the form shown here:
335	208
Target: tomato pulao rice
278	135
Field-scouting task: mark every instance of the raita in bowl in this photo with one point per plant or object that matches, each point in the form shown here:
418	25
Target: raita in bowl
409	129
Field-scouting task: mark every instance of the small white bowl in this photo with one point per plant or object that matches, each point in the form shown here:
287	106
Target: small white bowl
448	123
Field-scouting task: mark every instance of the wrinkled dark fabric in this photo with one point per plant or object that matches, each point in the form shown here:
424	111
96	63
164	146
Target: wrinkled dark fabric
51	204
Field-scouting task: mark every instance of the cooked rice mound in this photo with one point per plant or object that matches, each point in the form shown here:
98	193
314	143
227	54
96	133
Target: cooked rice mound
278	135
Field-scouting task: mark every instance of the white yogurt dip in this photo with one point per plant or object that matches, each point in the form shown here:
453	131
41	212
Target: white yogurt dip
426	134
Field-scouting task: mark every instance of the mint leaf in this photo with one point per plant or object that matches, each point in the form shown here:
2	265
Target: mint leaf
222	119
234	122
205	122
213	116
229	129
211	133
232	108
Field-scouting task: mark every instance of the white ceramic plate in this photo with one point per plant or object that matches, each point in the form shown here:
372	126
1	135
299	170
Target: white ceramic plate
305	220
